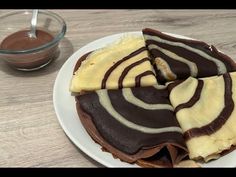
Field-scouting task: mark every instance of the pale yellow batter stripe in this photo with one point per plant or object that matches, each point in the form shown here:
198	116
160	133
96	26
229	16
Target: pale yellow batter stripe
159	87
165	69
129	96
221	140
183	92
207	108
106	103
220	65
151	81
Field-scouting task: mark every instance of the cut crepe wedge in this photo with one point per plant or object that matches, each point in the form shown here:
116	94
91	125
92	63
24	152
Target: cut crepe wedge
205	110
178	58
124	63
136	125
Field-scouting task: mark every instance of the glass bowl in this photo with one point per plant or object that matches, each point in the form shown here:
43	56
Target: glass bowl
35	56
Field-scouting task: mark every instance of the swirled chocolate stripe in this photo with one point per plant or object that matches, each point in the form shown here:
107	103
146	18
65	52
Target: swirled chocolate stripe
111	69
115	66
106	103
125	72
221	119
194	98
129	96
131	129
192	66
140	76
195	58
184	55
205	110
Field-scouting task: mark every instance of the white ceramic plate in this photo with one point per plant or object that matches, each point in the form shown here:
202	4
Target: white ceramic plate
65	109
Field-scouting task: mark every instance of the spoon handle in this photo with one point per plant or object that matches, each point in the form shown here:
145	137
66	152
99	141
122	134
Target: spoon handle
33	23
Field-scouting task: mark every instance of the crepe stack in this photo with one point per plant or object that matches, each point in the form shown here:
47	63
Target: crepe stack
123	106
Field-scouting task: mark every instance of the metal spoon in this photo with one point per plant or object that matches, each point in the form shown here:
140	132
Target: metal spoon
32	32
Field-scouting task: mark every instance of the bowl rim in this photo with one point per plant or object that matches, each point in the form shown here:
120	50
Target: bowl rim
55	40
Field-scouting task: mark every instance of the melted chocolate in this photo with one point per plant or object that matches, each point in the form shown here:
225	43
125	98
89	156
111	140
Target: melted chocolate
21	41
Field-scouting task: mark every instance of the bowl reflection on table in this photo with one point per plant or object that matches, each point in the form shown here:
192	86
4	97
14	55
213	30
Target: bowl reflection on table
31	57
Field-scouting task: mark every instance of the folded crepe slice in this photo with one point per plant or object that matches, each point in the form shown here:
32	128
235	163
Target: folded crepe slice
124	63
136	125
205	110
178	58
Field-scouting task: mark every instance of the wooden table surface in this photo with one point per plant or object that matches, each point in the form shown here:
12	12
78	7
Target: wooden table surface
30	134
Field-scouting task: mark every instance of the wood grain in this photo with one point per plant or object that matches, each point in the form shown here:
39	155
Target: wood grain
30	135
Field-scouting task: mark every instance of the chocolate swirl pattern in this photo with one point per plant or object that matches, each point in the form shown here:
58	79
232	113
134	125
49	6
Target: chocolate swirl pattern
129	96
186	57
207	114
194	98
192	66
125	72
133	119
142	75
139	120
123	64
106	103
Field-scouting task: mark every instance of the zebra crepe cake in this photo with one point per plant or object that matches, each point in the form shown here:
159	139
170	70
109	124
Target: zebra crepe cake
124	108
135	124
121	64
205	109
176	58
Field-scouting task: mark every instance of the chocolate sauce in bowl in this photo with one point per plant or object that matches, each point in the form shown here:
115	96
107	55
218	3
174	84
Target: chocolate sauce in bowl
20	40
